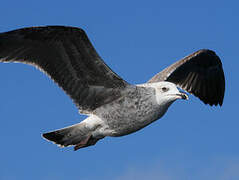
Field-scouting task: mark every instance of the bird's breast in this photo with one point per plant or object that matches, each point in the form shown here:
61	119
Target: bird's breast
131	113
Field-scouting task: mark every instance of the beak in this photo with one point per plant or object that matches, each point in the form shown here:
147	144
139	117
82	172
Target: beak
183	96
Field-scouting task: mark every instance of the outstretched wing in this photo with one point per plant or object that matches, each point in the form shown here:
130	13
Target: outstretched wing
200	73
68	57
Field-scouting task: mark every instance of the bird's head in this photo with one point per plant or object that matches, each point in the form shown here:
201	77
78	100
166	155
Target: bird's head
167	92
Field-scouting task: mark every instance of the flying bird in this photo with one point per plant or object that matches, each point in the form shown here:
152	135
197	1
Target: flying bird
113	106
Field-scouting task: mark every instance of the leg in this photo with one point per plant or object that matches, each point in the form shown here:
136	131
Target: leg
88	141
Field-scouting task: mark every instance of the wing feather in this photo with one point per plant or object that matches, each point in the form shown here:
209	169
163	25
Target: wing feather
68	57
200	74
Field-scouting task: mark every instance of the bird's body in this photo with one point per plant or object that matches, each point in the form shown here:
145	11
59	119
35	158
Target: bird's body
139	106
133	111
114	107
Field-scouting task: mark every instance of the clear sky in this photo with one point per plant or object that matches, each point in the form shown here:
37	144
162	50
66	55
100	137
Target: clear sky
136	39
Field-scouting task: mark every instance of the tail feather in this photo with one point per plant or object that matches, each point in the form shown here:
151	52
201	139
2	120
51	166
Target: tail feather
72	135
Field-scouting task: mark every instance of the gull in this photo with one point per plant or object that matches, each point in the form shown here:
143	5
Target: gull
114	107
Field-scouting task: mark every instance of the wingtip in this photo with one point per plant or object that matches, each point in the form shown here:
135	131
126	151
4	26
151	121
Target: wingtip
214	103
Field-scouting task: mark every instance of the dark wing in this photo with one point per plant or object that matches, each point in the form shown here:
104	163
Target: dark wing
68	57
200	73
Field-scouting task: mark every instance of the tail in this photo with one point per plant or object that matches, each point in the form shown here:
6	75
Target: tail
78	135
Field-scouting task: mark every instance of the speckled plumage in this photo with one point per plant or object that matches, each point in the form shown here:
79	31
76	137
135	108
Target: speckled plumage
133	111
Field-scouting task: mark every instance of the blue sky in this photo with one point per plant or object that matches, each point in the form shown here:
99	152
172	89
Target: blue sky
136	39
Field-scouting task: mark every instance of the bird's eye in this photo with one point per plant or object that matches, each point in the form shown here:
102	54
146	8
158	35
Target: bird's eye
164	89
